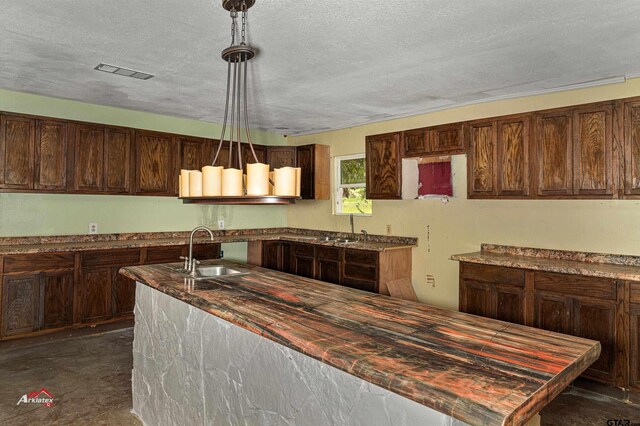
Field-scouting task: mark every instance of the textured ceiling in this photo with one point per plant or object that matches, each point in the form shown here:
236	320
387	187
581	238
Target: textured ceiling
322	64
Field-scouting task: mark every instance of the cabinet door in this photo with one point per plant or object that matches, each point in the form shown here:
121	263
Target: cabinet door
123	294
328	264
415	143
360	270
281	156
303	259
56	299
155	156
513	156
118	160
88	142
17	145
634	342
384	166
247	155
272	255
553	312
51	155
475	298
305	158
446	139
223	155
96	300
593	151
595	319
554	150
631	148
20	297
192	153
509	304
481	159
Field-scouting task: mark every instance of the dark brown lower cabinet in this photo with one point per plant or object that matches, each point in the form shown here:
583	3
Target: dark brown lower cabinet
52	291
492	292
360	269
634	336
56	299
328	264
582	306
20	295
303	260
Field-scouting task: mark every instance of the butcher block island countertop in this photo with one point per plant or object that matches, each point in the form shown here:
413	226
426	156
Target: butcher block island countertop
474	369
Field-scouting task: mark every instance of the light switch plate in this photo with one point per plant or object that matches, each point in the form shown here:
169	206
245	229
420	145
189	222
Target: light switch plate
220	223
93	228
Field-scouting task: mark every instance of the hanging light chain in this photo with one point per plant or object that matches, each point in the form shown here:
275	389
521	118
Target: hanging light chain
244	21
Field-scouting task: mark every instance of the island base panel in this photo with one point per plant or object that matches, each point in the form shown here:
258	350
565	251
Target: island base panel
191	367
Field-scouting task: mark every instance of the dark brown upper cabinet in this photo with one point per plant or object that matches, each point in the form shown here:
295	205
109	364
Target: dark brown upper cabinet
247	155
102	159
447	139
513	136
194	153
415	143
384	166
631	138
223	155
554	149
155	163
313	161
88	158
118	160
481	159
51	155
437	140
593	150
17	145
281	156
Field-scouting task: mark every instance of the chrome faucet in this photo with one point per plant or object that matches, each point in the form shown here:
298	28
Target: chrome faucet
189	262
353	233
365	235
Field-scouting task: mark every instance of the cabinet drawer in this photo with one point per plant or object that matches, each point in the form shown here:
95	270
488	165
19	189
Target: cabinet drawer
304	250
360	284
164	254
578	285
38	262
363	257
328	253
112	258
493	274
363	272
634	292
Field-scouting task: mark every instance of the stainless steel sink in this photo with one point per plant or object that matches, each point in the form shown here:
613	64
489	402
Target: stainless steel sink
346	241
326	239
217	271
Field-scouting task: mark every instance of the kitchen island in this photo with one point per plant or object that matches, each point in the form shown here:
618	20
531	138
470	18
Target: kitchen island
272	348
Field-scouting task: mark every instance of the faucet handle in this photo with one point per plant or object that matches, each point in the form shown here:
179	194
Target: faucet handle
194	264
185	266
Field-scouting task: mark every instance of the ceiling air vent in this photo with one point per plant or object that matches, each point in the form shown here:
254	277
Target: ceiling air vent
113	69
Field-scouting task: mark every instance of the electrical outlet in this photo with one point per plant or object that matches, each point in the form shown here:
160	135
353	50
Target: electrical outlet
220	223
388	229
93	228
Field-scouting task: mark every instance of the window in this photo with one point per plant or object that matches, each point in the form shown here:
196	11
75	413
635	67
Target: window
350	194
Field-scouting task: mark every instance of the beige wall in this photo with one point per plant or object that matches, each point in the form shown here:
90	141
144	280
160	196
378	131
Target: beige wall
462	225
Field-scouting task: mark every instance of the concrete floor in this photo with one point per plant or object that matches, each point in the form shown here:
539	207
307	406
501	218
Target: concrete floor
88	372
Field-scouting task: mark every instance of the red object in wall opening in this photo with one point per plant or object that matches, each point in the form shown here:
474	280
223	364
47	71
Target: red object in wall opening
435	179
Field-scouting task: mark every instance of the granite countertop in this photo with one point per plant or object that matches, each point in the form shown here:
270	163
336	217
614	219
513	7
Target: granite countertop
52	244
475	369
614	266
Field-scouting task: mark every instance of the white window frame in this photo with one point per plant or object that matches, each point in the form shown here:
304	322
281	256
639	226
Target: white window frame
337	193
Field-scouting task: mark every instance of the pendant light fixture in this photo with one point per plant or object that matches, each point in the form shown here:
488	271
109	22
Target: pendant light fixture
219	185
